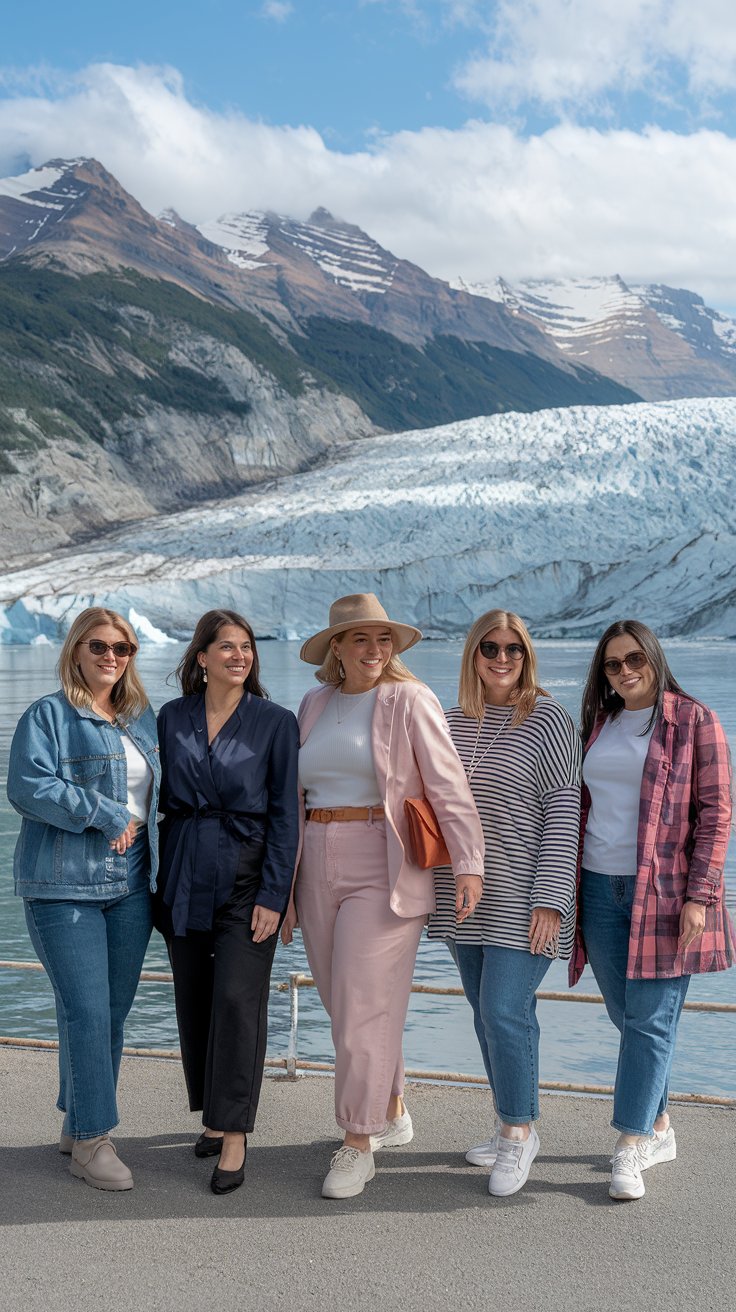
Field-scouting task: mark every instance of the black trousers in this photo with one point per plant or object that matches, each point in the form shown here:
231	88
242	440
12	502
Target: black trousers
221	985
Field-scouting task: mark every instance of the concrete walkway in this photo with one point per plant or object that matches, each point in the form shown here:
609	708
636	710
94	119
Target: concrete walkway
424	1235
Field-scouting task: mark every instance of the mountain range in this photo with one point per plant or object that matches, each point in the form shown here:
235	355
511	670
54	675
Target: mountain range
180	407
148	364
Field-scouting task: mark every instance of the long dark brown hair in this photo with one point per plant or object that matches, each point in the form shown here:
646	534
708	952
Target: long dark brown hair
599	695
189	672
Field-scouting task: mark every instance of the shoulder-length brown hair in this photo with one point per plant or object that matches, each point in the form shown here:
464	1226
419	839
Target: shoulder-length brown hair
599	696
128	696
190	673
395	671
471	692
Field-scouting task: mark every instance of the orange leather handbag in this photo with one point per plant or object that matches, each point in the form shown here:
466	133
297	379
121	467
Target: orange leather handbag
427	844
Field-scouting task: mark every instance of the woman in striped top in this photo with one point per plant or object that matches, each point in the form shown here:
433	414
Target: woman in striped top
521	754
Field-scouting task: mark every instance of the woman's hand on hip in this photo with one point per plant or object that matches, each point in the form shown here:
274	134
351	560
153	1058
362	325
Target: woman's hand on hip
544	928
468	890
291	920
264	923
692	924
126	839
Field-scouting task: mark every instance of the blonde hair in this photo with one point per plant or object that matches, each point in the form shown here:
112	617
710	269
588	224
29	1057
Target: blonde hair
128	695
395	671
471	692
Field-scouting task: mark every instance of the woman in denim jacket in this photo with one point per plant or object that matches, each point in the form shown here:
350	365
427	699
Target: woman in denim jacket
84	775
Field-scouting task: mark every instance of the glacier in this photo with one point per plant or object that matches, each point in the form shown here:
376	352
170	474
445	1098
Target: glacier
572	517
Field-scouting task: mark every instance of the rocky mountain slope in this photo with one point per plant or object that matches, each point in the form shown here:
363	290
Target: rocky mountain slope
664	342
570	516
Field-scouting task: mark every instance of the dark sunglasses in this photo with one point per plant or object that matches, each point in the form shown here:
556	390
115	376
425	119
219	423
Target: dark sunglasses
120	649
636	660
491	650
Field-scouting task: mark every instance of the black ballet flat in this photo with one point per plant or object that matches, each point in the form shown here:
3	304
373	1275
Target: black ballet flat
207	1146
223	1182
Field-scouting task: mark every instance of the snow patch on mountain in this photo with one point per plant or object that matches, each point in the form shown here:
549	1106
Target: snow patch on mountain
344	253
607	309
570	309
243	237
572	517
40	186
340	250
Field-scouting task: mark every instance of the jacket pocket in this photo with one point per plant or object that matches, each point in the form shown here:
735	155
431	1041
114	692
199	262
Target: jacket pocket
83	861
83	770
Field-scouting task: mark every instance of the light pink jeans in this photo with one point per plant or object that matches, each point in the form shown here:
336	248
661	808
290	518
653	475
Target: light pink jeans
362	958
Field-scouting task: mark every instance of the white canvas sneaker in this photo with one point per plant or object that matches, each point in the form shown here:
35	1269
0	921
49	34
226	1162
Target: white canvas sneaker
626	1181
395	1133
349	1172
511	1168
485	1154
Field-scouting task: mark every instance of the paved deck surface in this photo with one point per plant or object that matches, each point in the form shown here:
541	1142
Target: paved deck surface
424	1235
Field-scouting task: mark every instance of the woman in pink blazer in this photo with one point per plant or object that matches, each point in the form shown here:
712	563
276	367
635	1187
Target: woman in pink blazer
372	736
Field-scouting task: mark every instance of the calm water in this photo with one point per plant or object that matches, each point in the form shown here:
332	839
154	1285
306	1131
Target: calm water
578	1042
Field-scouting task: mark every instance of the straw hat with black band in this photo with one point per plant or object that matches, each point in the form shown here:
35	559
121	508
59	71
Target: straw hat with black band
354	612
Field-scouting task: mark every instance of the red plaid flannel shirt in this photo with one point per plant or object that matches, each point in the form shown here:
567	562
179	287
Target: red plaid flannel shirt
684	827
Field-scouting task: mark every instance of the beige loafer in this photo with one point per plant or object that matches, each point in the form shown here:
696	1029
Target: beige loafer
96	1162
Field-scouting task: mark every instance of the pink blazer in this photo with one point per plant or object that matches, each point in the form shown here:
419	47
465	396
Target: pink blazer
414	756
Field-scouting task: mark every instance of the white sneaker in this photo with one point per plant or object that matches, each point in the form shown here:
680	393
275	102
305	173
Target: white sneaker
485	1154
395	1133
349	1172
660	1148
511	1168
626	1181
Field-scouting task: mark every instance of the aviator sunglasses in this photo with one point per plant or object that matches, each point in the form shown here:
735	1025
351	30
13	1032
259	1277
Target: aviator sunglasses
491	650
636	660
120	649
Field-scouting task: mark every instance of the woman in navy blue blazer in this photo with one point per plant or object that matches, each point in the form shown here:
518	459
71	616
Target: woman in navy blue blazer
228	844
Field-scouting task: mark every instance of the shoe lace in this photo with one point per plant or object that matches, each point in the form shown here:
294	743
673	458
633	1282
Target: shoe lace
344	1159
509	1154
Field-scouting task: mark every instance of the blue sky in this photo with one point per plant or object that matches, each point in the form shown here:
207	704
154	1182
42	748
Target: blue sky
540	137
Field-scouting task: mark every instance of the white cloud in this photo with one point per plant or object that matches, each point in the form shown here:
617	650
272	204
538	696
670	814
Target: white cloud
475	201
279	10
565	54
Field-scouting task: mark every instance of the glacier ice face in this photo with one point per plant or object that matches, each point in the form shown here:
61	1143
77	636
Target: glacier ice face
572	517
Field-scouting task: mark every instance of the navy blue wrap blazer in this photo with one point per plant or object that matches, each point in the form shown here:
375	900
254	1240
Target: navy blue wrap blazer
240	789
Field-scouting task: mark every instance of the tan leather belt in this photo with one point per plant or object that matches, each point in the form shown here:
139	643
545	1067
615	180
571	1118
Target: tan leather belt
324	815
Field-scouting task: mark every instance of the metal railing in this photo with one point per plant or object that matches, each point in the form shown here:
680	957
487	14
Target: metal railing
292	1064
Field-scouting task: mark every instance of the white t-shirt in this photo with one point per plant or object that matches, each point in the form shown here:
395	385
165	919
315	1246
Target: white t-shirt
336	762
140	779
612	770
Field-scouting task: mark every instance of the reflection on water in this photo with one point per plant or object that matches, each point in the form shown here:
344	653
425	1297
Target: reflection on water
578	1042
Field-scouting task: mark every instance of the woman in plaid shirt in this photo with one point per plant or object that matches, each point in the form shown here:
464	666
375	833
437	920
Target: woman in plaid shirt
655	824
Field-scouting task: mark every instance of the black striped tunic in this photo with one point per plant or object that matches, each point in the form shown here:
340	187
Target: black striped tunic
526	785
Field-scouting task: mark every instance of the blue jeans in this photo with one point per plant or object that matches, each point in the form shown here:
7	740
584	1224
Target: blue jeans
92	953
646	1012
500	985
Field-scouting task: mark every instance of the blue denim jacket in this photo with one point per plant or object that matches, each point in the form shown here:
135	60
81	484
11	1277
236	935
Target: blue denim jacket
68	779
